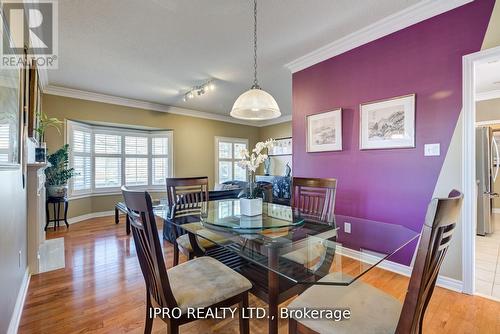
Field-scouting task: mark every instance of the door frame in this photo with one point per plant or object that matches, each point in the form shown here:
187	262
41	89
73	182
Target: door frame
469	209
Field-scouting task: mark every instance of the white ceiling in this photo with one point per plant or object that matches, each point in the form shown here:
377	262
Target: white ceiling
154	50
488	77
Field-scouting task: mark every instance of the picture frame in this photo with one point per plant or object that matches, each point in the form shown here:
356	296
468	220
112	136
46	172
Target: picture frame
388	123
324	131
282	146
33	103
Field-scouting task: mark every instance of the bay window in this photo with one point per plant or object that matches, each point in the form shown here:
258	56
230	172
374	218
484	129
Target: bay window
227	155
105	158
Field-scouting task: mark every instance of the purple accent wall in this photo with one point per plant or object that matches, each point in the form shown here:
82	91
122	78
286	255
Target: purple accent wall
392	186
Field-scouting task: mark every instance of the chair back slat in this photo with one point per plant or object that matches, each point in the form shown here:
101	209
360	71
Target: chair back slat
188	196
440	222
314	197
147	244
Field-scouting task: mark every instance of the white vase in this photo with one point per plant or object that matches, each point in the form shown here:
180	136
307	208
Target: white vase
251	206
251	221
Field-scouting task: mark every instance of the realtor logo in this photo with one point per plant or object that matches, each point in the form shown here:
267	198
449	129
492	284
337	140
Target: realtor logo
29	27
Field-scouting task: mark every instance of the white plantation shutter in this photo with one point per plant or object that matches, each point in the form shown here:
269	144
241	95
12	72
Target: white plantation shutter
106	158
4	142
136	145
108	172
136	161
228	153
160	149
107	144
81	161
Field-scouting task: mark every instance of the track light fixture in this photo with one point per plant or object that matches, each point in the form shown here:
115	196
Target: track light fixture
200	90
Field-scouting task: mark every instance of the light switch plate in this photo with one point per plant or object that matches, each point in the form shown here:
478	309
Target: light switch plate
347	227
432	150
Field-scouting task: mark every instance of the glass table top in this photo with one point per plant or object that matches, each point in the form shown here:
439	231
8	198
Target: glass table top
300	248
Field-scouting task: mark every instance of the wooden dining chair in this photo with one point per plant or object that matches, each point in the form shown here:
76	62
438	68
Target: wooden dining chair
314	197
188	196
201	283
373	311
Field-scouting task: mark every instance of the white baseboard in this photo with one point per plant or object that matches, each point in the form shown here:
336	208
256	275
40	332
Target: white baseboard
77	219
442	281
18	308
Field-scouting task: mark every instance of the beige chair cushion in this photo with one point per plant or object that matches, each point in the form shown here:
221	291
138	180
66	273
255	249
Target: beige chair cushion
203	282
183	241
372	311
306	254
203	240
312	248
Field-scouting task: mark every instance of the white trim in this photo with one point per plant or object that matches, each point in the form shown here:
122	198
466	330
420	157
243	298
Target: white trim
388	25
401	269
279	120
487	296
493	122
496	210
121	101
18	308
92	215
490	95
468	163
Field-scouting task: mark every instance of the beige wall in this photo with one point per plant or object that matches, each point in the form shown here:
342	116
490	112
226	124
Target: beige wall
451	172
193	138
488	110
276	131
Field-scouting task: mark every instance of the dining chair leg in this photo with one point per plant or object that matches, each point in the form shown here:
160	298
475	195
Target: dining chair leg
244	322
149	320
176	254
172	328
292	326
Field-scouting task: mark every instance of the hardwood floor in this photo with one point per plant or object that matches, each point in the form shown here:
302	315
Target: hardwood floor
101	290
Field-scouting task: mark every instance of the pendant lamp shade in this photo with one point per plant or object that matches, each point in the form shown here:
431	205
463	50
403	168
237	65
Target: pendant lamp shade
256	105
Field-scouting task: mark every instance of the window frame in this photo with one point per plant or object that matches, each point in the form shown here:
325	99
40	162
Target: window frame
233	141
122	132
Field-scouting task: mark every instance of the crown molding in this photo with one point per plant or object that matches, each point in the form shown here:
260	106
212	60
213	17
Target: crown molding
281	119
489	95
104	98
388	25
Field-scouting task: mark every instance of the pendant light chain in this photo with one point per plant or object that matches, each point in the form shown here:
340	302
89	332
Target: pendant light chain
255	82
255	104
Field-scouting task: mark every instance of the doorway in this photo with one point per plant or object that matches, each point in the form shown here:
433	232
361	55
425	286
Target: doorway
481	173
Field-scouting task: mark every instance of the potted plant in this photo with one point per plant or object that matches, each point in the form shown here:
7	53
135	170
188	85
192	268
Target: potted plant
58	173
252	205
44	122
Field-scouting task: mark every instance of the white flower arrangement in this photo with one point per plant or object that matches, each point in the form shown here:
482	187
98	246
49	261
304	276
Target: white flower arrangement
252	161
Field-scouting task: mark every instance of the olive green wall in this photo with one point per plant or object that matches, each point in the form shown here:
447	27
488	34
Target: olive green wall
276	131
280	130
194	139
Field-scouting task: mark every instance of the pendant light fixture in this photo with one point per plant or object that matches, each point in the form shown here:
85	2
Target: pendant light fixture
255	104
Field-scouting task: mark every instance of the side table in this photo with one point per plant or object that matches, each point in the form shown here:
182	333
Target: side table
57	213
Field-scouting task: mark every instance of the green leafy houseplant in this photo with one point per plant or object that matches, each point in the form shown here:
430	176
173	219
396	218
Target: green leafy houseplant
46	122
58	173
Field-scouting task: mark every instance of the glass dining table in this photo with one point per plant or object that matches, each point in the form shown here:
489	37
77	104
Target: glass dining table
284	251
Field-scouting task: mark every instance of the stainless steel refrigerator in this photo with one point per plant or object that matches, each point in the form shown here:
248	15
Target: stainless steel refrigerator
487	165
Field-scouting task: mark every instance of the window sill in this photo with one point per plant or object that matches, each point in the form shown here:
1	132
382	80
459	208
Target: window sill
112	193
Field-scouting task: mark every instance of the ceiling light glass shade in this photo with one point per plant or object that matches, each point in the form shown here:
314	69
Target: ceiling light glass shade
256	105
